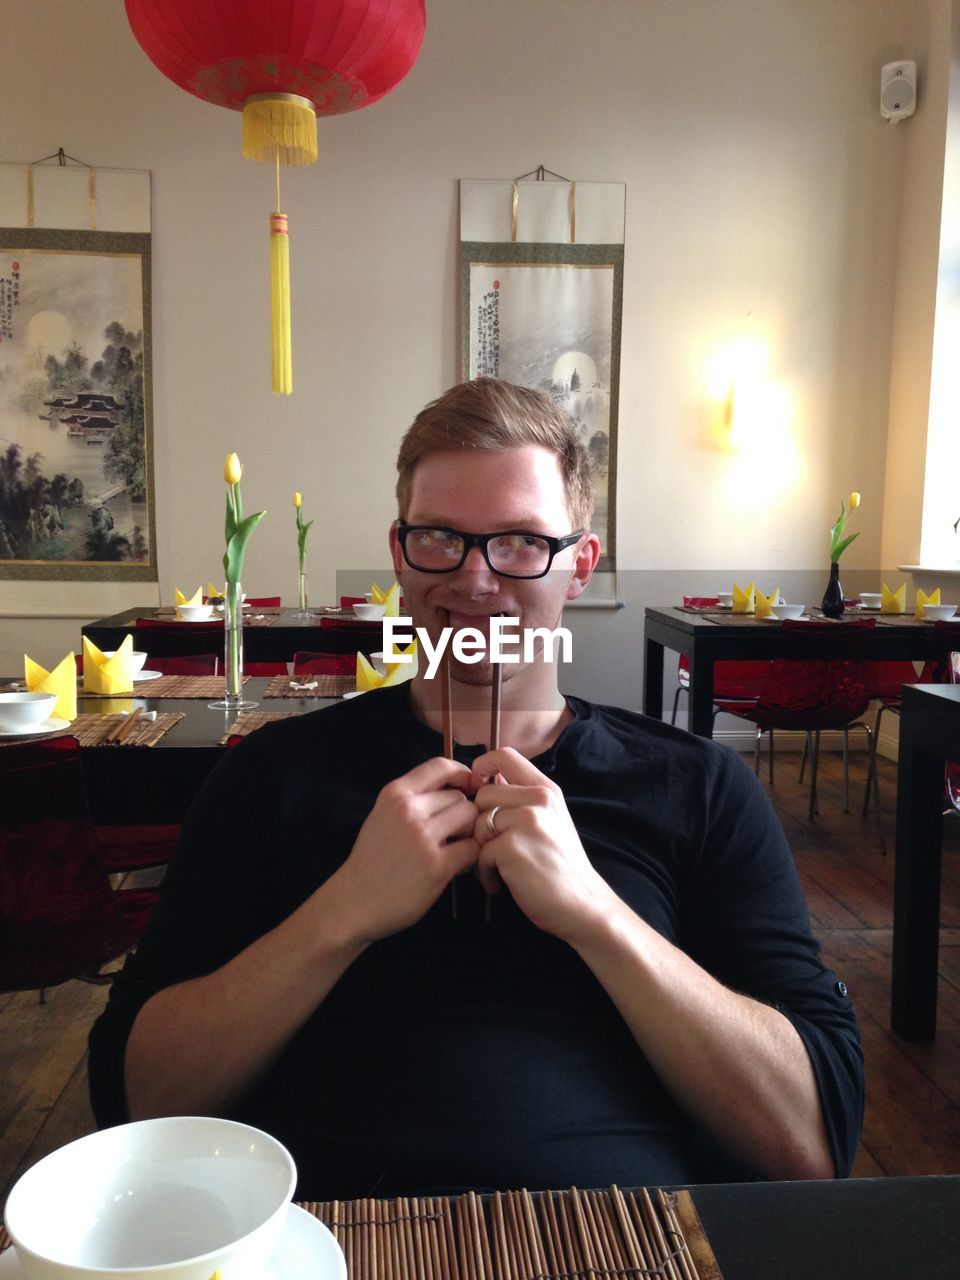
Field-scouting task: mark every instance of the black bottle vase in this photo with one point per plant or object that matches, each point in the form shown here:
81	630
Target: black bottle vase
832	603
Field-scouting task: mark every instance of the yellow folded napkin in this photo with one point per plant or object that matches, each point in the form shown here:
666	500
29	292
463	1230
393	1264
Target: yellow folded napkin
376	595
924	599
893	601
391	598
212	591
62	681
763	603
744	598
196	598
368	677
108	675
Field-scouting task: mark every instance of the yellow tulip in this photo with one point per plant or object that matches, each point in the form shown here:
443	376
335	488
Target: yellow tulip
232	470
854	500
298	499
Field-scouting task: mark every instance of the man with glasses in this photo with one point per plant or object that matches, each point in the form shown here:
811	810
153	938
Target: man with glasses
580	958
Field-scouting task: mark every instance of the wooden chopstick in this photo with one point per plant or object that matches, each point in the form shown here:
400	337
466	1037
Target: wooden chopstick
120	732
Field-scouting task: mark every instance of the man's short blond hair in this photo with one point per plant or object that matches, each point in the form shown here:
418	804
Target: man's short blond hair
492	415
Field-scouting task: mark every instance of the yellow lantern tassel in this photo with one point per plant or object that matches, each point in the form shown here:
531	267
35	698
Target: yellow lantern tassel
280	304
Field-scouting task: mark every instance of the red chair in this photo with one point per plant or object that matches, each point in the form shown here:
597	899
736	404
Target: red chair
735	682
263	602
812	694
198	664
323	664
60	918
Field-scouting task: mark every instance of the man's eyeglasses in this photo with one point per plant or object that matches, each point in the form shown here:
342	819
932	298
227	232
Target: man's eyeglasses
512	554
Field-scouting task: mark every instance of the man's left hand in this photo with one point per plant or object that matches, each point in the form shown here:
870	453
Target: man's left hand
535	849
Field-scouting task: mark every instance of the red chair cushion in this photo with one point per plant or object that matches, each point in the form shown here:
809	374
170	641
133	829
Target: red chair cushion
324	664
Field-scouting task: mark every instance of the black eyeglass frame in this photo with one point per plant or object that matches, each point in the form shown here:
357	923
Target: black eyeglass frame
481	540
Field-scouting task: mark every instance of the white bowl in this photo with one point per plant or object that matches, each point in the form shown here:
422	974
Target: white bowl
870	599
940	612
369	612
787	610
194	612
170	1199
725	598
137	657
24	710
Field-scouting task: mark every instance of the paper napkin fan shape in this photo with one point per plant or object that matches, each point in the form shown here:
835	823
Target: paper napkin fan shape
368	677
62	681
763	602
212	592
108	675
924	599
893	601
744	598
196	598
391	598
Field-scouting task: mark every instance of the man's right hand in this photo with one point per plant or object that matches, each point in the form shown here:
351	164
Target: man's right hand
417	837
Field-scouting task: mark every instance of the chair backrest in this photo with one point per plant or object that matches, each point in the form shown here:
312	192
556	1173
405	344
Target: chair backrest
324	664
263	602
836	688
700	602
59	915
198	664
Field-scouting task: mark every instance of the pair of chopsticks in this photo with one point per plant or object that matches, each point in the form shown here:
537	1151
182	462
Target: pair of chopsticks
446	703
446	714
117	735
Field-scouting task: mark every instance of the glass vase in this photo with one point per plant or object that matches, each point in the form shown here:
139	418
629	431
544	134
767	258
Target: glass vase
233	699
303	610
832	602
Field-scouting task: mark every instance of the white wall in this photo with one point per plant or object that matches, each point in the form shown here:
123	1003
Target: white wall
763	202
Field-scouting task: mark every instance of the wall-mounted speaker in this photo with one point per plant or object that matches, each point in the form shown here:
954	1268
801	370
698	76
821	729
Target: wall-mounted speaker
898	91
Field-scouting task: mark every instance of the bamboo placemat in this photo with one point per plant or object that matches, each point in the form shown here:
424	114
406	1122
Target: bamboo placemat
171	687
513	1235
249	721
90	730
516	1235
326	686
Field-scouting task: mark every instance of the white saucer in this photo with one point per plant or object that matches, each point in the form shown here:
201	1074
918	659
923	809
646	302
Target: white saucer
146	675
355	693
52	725
197	621
305	1248
869	608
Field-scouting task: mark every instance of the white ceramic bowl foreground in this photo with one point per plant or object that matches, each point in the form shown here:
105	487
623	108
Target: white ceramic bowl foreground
170	1199
787	610
136	657
725	598
369	612
194	612
870	599
940	612
24	710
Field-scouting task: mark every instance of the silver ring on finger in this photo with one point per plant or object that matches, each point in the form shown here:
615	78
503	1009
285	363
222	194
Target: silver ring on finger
492	820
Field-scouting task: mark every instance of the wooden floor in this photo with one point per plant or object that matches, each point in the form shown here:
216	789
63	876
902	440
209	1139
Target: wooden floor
912	1123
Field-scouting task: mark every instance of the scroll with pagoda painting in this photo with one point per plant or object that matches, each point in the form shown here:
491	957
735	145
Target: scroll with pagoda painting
541	287
76	491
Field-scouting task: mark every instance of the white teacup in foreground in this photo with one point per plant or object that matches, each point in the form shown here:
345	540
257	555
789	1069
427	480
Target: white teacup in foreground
170	1199
870	599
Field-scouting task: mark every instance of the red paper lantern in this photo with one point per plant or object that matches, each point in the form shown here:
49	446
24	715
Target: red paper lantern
282	63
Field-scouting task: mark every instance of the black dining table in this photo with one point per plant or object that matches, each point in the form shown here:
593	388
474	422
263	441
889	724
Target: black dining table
929	735
707	637
275	637
157	784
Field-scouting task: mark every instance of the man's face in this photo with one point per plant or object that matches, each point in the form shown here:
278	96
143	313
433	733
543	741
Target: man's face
480	492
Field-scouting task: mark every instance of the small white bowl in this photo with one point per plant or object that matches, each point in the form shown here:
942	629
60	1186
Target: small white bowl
725	599
940	612
787	610
24	710
870	599
194	612
138	658
369	612
170	1199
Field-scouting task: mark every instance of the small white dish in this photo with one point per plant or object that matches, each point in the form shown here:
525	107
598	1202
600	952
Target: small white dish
21	711
137	658
870	599
784	610
194	612
369	612
355	693
211	618
725	599
51	725
940	612
869	608
140	676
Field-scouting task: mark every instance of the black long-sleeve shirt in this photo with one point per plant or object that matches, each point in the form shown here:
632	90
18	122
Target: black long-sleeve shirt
466	1052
